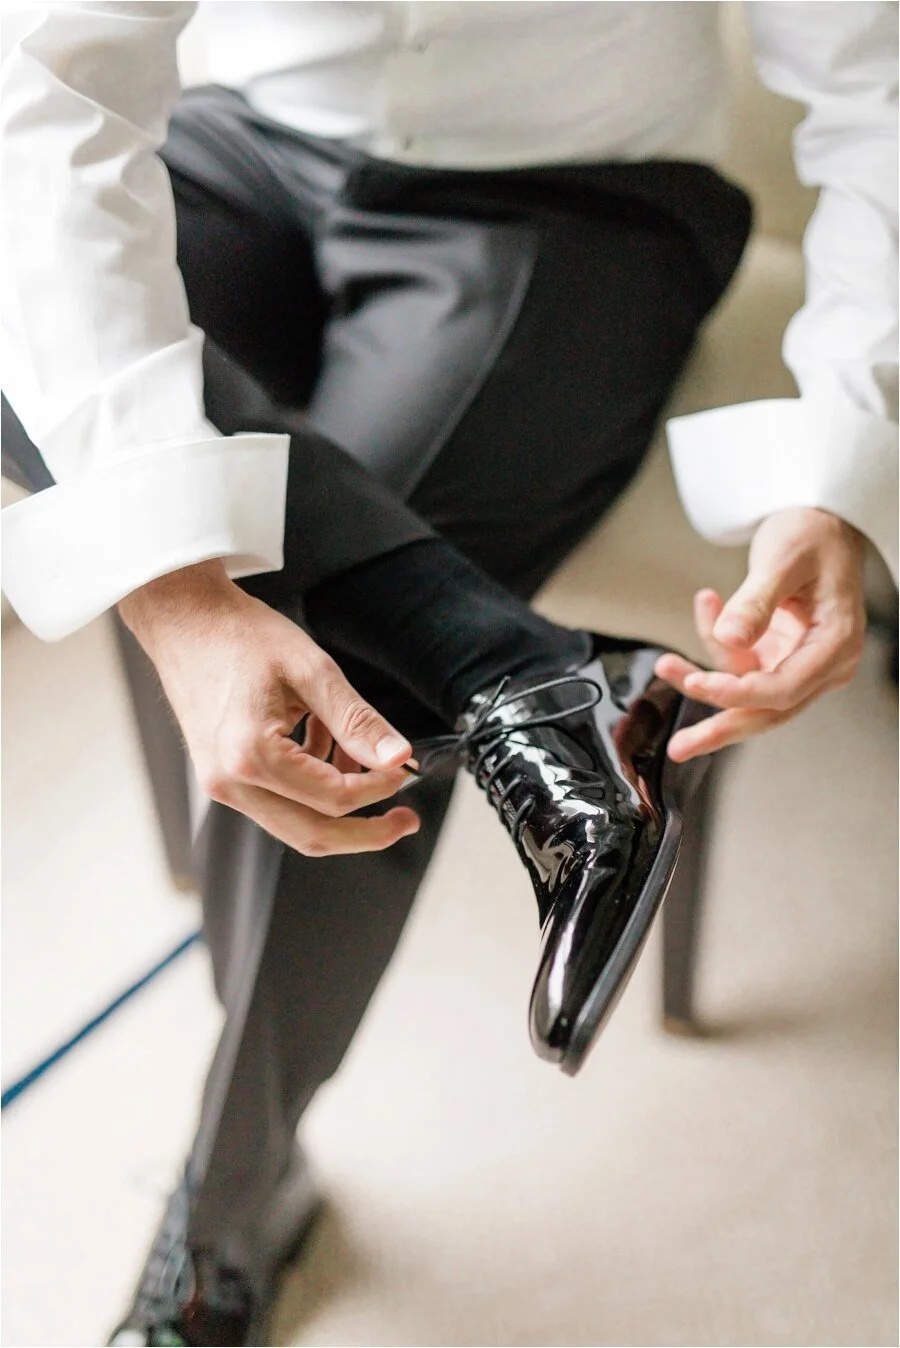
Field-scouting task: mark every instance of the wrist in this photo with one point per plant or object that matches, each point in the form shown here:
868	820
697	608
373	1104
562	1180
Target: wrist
815	521
192	597
840	527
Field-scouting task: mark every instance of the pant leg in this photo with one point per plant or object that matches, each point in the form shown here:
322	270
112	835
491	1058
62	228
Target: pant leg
603	278
297	946
506	377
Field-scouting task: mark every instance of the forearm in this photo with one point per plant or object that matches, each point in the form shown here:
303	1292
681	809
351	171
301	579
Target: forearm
101	362
835	448
101	354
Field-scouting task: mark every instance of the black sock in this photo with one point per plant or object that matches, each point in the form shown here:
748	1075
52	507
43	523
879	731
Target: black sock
432	620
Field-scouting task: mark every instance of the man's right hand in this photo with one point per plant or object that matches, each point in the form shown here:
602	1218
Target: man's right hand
240	677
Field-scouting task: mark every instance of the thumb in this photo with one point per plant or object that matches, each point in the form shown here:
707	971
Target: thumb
357	727
746	616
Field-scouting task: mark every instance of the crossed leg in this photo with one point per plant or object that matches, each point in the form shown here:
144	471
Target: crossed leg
503	373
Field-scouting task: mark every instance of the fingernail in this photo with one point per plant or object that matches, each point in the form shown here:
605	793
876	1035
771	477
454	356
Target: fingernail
390	747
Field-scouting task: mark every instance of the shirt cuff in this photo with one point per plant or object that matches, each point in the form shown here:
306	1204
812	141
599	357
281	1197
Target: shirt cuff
735	465
72	551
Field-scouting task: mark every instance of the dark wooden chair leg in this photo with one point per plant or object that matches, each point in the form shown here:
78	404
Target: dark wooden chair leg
883	619
164	755
683	909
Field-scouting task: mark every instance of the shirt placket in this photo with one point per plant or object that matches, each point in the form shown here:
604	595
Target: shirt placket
408	78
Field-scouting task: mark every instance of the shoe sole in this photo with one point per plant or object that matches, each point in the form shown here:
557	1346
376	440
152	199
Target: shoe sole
679	780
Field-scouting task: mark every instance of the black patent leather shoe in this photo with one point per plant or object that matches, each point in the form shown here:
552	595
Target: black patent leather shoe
576	767
186	1296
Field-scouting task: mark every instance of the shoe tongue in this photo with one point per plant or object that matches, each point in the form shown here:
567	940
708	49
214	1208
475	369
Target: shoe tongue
525	729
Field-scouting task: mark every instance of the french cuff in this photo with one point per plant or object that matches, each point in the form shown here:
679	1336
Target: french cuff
735	465
72	551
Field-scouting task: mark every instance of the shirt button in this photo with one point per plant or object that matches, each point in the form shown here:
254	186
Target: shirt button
407	142
420	46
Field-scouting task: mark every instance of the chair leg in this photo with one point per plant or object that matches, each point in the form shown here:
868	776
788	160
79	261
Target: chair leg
683	909
883	619
164	756
163	752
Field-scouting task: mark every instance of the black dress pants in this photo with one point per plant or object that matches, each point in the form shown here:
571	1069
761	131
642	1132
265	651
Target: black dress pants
495	349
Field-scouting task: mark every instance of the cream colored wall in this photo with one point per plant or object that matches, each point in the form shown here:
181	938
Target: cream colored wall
761	123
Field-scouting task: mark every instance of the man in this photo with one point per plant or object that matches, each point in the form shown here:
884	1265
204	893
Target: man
471	245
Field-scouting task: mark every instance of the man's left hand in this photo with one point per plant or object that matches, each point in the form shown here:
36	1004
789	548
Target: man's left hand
792	631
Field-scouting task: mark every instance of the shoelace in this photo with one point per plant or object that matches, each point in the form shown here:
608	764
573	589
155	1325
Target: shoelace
484	738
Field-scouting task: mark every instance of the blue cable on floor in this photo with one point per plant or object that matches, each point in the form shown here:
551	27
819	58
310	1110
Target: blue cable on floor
13	1091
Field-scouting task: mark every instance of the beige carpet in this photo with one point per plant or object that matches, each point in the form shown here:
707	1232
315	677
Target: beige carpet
737	1190
733	1191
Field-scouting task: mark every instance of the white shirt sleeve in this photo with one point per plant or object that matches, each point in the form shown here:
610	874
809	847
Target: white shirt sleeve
836	446
101	362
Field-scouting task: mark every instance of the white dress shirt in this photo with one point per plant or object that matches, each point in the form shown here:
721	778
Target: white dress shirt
102	363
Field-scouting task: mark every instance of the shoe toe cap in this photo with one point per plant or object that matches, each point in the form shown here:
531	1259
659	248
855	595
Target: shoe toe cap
549	1020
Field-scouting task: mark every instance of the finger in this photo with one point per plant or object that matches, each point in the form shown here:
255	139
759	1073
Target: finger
274	763
289	772
718	732
698	693
681	673
338	837
749	611
318	739
342	760
675	669
686	677
806	671
358	728
708	606
727	728
313	835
